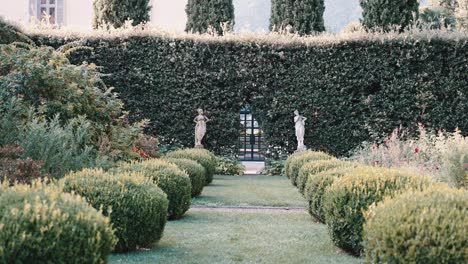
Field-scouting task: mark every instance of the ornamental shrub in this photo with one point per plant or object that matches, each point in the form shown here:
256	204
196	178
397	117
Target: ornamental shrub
418	227
116	12
229	166
350	195
17	170
386	15
136	206
172	180
313	167
298	161
206	15
10	33
40	224
302	16
202	156
316	187
352	87
195	171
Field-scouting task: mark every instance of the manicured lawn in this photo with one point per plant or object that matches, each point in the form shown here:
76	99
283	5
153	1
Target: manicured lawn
251	191
206	236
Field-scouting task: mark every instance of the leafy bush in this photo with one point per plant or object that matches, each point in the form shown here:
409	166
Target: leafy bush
313	167
43	79
18	170
40	224
297	161
10	33
173	181
352	87
147	147
350	195
228	166
195	171
418	227
274	167
316	187
202	156
137	207
386	15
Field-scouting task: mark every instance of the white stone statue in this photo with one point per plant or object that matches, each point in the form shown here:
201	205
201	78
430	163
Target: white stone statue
299	122
200	128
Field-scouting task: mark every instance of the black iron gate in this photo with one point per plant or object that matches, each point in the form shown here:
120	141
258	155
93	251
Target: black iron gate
251	137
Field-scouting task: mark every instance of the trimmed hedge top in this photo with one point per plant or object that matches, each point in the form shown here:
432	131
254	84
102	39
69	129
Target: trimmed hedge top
353	88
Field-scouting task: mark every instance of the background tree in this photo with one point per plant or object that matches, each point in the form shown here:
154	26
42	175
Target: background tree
387	14
297	16
439	13
205	14
461	14
116	12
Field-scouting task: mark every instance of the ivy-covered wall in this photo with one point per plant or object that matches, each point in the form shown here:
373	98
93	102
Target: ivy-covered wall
351	90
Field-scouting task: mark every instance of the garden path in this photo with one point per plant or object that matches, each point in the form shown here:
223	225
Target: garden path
244	219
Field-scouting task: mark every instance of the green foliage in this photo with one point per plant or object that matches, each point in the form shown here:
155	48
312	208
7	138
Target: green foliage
316	187
297	16
347	198
388	14
204	16
116	12
352	88
10	33
202	156
229	166
295	163
173	181
40	224
418	227
18	170
316	166
195	171
274	167
136	206
437	18
42	90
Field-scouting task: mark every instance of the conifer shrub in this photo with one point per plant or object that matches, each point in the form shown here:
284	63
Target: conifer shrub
313	167
116	12
418	227
167	176
206	15
316	187
298	161
137	207
195	171
202	156
386	15
301	16
347	198
41	224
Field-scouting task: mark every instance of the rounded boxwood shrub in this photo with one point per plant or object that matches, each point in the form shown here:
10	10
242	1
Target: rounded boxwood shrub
136	206
297	161
316	187
314	167
350	195
202	156
172	180
195	171
41	224
418	227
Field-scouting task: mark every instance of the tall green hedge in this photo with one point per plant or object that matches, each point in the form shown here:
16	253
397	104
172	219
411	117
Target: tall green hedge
388	14
351	89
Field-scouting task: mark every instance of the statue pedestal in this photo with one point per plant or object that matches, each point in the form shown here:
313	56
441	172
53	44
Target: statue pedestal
301	148
199	146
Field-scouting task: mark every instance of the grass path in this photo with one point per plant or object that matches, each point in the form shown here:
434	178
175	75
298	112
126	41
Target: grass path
235	235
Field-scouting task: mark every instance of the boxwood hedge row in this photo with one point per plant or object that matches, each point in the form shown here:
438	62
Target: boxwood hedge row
351	90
